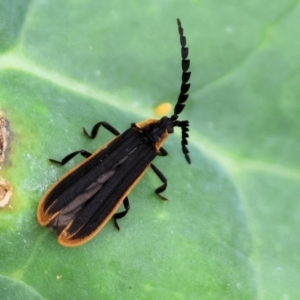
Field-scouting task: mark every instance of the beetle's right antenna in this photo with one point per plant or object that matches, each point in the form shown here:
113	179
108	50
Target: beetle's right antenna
183	95
185	86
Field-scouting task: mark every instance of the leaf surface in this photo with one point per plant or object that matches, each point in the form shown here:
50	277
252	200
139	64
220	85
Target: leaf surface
230	228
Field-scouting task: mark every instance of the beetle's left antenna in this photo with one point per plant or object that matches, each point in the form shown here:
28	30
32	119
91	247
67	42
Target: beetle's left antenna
186	74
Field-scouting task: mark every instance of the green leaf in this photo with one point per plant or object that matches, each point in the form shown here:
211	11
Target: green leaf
230	227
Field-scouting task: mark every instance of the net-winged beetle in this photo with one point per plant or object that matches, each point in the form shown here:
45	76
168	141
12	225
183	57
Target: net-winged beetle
79	205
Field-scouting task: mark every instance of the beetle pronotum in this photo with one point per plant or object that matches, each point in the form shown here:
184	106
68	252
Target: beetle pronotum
79	204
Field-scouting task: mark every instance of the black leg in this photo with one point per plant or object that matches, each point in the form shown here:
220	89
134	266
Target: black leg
122	213
162	177
96	127
70	156
162	152
91	136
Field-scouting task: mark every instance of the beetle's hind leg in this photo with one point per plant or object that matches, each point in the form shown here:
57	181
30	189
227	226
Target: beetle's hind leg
96	128
67	158
164	180
122	213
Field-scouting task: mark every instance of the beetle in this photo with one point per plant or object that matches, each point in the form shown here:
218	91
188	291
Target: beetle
79	204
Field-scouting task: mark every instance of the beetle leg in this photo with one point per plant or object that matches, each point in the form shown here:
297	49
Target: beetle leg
162	152
96	127
70	156
122	213
162	177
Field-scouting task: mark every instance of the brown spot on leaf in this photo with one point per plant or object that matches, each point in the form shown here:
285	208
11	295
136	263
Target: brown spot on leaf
4	135
5	187
5	192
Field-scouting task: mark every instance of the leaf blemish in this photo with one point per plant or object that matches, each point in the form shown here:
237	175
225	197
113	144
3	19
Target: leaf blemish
4	135
5	187
5	192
